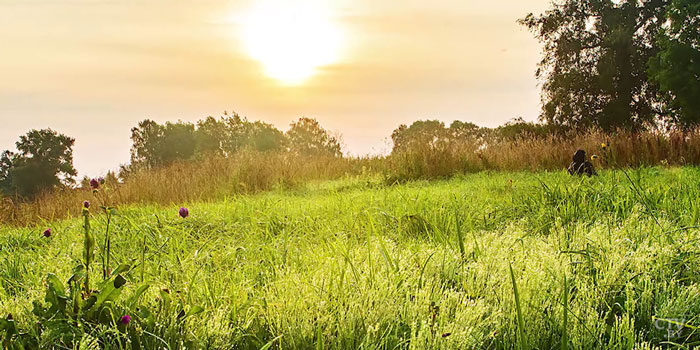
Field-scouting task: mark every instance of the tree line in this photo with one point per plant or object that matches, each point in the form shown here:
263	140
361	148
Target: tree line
156	144
44	158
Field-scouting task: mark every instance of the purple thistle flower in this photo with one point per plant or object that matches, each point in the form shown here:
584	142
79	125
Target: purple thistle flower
101	180
47	232
183	212
86	204
125	319
94	183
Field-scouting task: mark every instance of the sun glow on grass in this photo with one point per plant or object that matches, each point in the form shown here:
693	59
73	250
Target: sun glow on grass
467	262
291	40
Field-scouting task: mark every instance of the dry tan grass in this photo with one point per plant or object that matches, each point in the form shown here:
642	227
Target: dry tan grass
210	178
545	153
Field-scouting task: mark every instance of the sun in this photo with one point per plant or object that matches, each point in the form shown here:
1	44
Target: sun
291	39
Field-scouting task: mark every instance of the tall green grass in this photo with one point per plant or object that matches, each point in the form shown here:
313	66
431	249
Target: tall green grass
354	263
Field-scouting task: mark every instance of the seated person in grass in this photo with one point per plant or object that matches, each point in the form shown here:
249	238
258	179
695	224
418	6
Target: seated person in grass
580	165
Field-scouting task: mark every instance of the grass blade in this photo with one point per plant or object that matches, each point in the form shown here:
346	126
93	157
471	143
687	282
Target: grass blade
565	321
460	236
522	342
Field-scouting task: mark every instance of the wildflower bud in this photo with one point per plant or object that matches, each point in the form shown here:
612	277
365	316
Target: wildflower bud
125	319
183	212
86	204
47	232
101	180
94	183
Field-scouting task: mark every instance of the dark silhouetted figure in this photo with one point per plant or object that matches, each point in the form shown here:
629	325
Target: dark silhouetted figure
580	165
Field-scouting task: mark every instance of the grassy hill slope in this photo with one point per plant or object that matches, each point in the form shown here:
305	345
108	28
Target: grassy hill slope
355	263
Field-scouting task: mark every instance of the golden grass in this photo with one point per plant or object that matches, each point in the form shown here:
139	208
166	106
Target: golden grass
206	179
449	157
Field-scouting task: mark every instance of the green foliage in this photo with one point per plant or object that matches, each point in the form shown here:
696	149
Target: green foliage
307	137
432	134
264	137
156	145
518	129
356	264
521	340
594	65
676	68
421	133
82	315
44	160
211	135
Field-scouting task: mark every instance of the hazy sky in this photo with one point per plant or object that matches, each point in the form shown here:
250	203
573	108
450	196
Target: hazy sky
93	68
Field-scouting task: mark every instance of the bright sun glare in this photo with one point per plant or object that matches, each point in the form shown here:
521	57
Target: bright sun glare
291	39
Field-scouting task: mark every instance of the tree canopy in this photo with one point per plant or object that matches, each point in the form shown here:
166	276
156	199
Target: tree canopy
594	65
676	67
44	159
156	144
307	137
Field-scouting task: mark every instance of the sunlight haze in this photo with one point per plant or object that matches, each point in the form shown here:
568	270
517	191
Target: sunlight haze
92	69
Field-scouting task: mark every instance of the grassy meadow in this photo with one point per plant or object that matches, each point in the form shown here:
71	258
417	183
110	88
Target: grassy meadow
491	260
211	178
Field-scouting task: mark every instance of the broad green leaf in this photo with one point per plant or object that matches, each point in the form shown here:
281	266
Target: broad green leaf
194	310
109	292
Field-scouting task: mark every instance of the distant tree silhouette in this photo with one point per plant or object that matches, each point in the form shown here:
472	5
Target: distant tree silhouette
676	68
146	142
210	136
594	64
178	142
154	144
462	129
421	134
307	137
519	128
44	160
237	133
264	137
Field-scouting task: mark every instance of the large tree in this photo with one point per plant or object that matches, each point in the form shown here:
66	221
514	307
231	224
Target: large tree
594	65
676	68
44	160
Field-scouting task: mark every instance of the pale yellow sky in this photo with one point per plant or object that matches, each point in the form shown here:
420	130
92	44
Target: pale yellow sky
93	68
